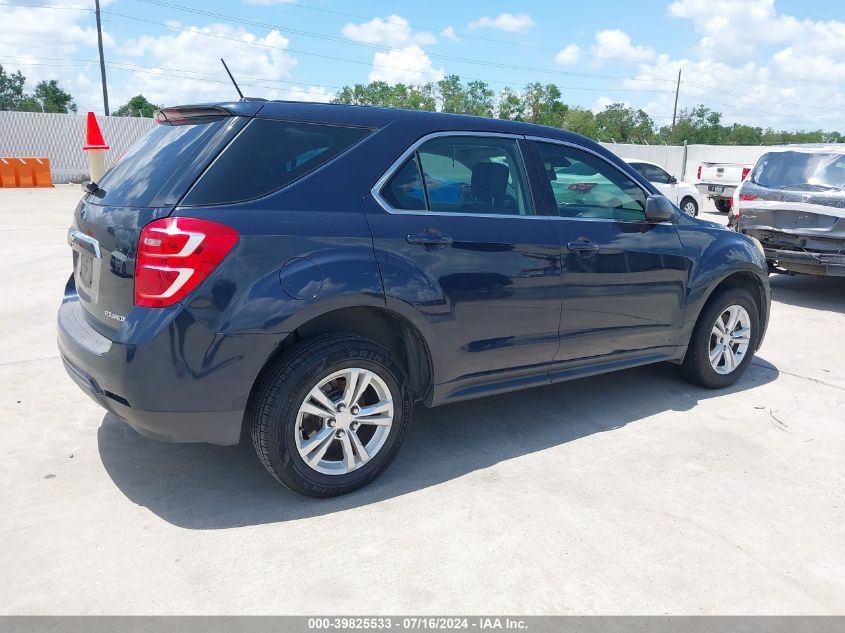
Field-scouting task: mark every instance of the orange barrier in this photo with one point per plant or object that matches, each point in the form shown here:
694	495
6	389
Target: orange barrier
25	172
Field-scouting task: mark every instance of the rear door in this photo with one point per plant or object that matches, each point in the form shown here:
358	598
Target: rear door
624	278
463	249
145	184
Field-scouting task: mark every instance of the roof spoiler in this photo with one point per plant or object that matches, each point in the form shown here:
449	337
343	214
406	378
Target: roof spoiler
190	114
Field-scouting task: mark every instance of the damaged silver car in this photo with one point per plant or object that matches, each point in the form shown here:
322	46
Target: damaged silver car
793	202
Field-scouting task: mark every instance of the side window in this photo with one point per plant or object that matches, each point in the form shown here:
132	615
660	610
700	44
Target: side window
652	173
404	190
469	174
268	155
586	186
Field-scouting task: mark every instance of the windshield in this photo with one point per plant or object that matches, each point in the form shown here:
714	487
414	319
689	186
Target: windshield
800	170
157	170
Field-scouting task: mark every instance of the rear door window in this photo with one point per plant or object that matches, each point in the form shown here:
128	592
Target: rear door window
268	155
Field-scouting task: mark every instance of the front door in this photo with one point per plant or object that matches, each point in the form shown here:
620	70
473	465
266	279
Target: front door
624	278
460	248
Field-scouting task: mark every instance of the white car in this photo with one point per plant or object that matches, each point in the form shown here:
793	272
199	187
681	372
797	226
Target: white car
683	194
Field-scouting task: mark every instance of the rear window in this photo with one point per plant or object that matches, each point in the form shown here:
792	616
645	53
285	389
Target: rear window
800	170
158	169
268	155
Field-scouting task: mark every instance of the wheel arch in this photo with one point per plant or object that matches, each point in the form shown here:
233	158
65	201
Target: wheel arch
748	280
387	328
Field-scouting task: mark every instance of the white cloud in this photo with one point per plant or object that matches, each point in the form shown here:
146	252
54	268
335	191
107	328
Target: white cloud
615	44
509	22
394	31
260	61
407	65
449	34
30	35
568	55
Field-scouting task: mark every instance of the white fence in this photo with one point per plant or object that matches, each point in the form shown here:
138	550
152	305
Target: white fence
60	138
671	157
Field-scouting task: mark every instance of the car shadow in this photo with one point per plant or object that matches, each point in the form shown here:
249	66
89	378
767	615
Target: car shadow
809	291
200	486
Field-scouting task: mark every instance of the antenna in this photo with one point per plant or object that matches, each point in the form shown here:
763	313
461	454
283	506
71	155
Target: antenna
240	94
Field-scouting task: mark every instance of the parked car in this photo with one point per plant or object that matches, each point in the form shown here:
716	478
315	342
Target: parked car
311	271
683	194
718	181
793	202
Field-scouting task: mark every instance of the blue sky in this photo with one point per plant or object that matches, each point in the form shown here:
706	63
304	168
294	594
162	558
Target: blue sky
764	62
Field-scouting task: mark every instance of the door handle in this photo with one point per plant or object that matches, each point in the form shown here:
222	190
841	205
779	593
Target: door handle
429	238
583	247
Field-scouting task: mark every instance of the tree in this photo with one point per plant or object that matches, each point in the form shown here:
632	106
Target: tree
623	124
542	104
52	98
452	95
478	99
137	106
581	121
510	105
11	89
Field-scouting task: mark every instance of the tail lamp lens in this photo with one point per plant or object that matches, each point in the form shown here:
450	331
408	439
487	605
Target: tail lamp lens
699	172
747	197
745	172
175	255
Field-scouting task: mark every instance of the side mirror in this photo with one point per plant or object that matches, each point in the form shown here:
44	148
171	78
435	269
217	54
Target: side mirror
673	180
658	209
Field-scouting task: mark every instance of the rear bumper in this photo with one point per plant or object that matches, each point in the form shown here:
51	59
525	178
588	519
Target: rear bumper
704	190
825	264
178	383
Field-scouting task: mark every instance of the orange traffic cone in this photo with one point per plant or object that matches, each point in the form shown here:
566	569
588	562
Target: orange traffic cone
96	147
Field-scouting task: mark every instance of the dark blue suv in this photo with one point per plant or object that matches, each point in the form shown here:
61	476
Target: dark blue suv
310	271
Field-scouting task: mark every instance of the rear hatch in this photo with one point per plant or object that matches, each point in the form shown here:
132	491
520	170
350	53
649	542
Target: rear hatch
145	184
795	200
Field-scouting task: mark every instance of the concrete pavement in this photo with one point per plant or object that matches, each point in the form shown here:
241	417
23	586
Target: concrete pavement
629	493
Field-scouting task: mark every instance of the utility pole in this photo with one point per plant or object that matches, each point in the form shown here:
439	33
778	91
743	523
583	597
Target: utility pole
103	61
677	90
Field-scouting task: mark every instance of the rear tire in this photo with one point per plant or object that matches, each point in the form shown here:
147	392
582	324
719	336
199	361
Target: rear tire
723	205
689	206
310	427
718	356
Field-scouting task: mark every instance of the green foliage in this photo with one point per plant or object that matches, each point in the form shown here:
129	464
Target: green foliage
47	97
11	89
137	106
543	104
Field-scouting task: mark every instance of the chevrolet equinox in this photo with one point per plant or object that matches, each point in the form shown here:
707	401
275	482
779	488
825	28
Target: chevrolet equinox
311	271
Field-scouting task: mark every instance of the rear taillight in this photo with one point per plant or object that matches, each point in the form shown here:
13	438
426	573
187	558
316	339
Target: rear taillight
746	197
745	172
175	255
699	172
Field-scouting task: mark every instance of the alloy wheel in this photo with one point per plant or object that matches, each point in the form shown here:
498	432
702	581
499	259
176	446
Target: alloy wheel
729	339
344	421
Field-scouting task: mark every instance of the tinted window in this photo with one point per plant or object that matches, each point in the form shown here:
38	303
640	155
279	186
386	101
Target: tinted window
652	173
404	190
467	174
269	154
155	161
586	186
800	170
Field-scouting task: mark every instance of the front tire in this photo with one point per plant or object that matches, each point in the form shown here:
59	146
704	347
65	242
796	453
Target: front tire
689	206
723	341
331	414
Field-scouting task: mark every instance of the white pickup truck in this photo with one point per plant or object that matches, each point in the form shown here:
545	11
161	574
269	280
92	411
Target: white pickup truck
719	181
